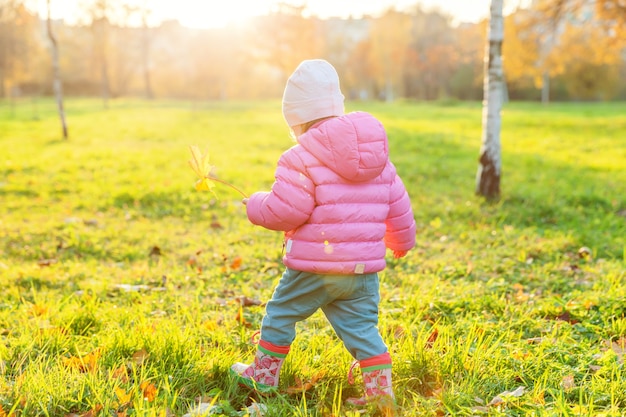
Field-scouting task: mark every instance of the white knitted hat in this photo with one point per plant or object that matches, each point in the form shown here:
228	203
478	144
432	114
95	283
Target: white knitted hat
312	92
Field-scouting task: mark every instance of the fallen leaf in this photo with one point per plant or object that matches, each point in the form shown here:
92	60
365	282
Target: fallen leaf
148	390
520	355
241	319
121	374
501	398
155	252
432	338
399	332
594	368
247	302
122	396
618	347
236	263
257	410
93	412
221	302
302	387
140	356
46	262
38	310
568	382
584	252
132	288
202	409
87	363
565	316
539	397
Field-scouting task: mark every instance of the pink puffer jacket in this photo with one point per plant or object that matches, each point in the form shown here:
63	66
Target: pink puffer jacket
338	199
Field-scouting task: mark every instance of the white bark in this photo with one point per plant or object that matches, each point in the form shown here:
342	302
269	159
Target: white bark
56	83
489	169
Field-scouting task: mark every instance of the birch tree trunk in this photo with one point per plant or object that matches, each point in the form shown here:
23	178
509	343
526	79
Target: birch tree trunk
56	83
489	169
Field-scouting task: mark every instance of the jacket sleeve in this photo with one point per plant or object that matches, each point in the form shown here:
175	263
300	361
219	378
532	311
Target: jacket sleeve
400	234
291	200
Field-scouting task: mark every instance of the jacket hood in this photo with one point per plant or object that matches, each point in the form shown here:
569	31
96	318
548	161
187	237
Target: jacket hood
354	145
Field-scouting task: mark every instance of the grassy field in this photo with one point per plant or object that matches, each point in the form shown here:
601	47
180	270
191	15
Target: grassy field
125	292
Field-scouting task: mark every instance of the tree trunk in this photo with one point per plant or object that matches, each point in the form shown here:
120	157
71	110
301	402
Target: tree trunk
100	33
2	88
145	58
104	77
489	169
56	83
545	88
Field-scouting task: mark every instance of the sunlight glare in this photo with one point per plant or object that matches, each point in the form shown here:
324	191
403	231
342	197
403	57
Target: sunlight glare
214	14
211	13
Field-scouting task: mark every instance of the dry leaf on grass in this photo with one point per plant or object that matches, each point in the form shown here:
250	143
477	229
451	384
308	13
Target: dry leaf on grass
248	302
302	387
91	413
148	390
503	396
123	397
568	382
140	356
87	363
432	338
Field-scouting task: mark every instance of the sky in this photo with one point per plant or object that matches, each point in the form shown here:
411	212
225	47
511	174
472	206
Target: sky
218	13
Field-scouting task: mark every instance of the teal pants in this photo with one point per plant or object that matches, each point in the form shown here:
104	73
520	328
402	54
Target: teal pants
350	303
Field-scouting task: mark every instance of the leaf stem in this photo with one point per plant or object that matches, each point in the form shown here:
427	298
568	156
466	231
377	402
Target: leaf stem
227	184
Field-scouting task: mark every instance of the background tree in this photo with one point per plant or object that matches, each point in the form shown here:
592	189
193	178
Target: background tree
413	53
100	25
432	55
285	37
490	166
390	36
21	50
467	79
146	48
57	85
613	14
590	68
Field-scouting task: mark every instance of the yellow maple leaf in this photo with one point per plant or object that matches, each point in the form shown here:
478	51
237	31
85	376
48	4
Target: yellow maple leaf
122	396
86	363
199	162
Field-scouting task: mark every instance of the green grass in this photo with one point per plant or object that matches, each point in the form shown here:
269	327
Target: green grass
494	297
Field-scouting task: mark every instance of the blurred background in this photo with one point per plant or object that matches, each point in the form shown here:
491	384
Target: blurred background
385	50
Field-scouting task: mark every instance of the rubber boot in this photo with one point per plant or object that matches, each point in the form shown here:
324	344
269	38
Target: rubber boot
377	383
263	374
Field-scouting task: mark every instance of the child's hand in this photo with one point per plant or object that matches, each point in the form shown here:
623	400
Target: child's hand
399	253
244	201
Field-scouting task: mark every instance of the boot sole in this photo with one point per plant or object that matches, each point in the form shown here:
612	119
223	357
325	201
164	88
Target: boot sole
253	385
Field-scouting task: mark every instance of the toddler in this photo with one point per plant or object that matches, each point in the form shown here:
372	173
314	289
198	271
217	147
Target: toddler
340	203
